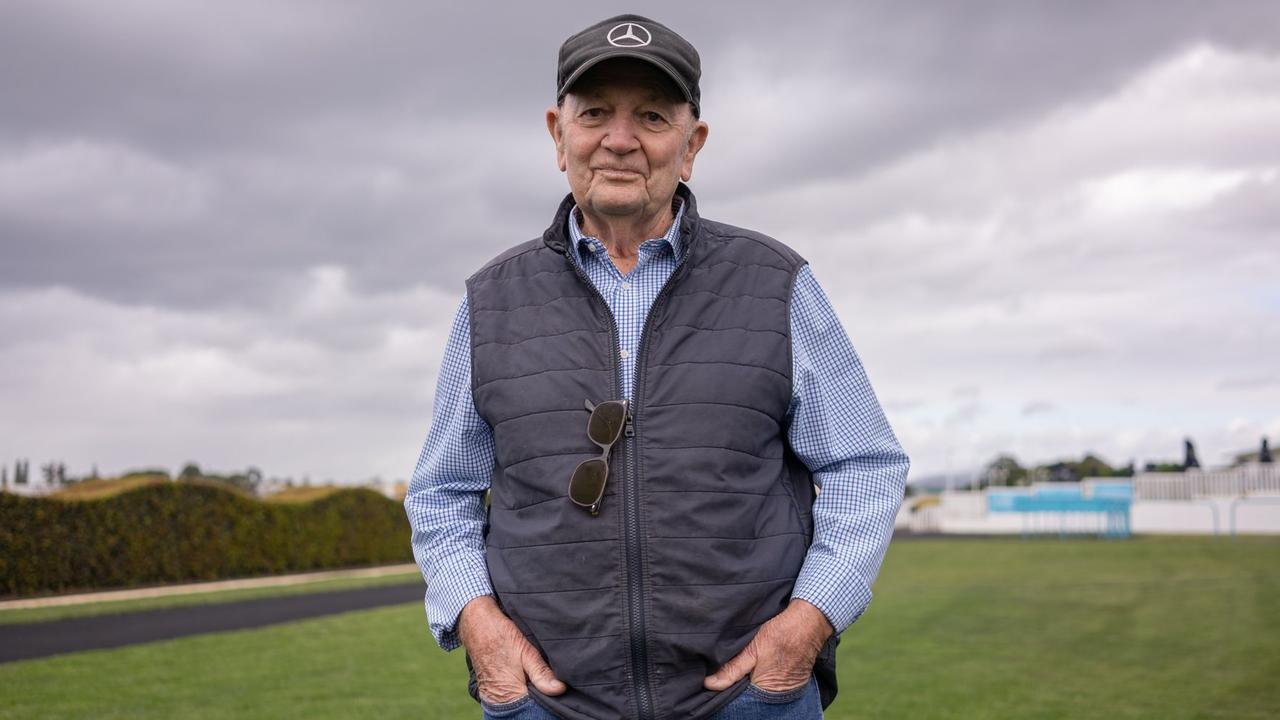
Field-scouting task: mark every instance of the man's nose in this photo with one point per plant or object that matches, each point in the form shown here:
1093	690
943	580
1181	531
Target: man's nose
620	134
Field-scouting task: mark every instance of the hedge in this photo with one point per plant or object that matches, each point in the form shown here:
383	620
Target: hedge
179	532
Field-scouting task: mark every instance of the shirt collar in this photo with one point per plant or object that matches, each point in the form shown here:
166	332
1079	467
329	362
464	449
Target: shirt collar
671	237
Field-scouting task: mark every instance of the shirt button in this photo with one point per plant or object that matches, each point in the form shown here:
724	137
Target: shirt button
625	353
626	286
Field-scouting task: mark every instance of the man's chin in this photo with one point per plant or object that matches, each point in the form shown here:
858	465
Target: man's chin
617	205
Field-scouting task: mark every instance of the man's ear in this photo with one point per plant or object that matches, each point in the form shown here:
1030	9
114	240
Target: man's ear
553	127
696	140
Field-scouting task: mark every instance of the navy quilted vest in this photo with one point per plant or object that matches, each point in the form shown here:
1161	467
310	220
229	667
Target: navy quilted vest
706	517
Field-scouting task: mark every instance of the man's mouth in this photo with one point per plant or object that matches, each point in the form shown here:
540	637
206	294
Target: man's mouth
618	172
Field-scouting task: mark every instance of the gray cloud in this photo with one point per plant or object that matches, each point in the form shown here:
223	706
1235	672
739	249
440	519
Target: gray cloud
1249	383
257	218
320	133
1036	407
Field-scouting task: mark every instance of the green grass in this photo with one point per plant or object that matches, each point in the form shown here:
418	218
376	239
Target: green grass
376	664
1150	628
25	615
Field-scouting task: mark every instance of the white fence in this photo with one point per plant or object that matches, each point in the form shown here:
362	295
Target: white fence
1257	479
1219	502
965	504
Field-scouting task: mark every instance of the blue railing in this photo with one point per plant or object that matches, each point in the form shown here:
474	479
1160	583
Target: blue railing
1064	509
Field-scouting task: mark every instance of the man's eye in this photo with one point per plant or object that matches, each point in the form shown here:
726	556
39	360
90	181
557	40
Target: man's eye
653	117
593	112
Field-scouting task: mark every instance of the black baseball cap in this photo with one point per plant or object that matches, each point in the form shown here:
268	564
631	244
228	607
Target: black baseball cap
631	36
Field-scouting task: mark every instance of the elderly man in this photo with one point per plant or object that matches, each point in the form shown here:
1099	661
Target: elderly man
650	398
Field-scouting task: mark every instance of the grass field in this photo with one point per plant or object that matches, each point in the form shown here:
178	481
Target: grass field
1148	628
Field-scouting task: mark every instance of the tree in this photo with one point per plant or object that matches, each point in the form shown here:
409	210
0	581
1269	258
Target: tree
1059	472
1093	466
248	481
1004	470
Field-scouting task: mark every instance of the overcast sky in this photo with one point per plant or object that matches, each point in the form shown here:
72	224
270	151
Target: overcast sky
236	232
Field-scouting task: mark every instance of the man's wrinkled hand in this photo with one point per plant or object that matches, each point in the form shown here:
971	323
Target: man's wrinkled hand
781	655
500	655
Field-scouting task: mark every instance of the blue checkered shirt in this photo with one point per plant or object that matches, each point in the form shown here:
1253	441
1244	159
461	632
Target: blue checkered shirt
836	428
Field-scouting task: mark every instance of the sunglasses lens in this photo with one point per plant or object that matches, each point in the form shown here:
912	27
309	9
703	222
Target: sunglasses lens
606	422
587	484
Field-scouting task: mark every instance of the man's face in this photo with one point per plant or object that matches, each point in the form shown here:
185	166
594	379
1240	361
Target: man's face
625	138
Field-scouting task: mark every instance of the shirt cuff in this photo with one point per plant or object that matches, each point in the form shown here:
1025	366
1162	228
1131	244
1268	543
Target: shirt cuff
828	585
454	584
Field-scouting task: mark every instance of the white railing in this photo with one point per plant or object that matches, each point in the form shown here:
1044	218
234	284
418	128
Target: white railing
964	504
927	519
1255	479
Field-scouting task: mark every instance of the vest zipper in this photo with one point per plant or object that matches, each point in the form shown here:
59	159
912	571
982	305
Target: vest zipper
630	541
631	497
635	565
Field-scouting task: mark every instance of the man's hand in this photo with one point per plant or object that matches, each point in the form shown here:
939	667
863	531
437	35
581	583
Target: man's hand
500	654
781	655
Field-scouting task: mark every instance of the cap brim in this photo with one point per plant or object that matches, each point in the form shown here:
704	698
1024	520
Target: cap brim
656	62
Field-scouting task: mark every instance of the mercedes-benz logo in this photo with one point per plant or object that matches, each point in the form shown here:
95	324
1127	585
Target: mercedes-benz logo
629	35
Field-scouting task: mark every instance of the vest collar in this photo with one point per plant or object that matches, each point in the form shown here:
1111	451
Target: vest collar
557	235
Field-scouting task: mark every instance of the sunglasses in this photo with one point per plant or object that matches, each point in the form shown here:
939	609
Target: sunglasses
604	427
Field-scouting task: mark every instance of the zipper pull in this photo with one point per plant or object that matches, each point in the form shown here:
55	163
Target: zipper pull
630	429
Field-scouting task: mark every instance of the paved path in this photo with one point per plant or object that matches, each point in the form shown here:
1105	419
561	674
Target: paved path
25	641
202	587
